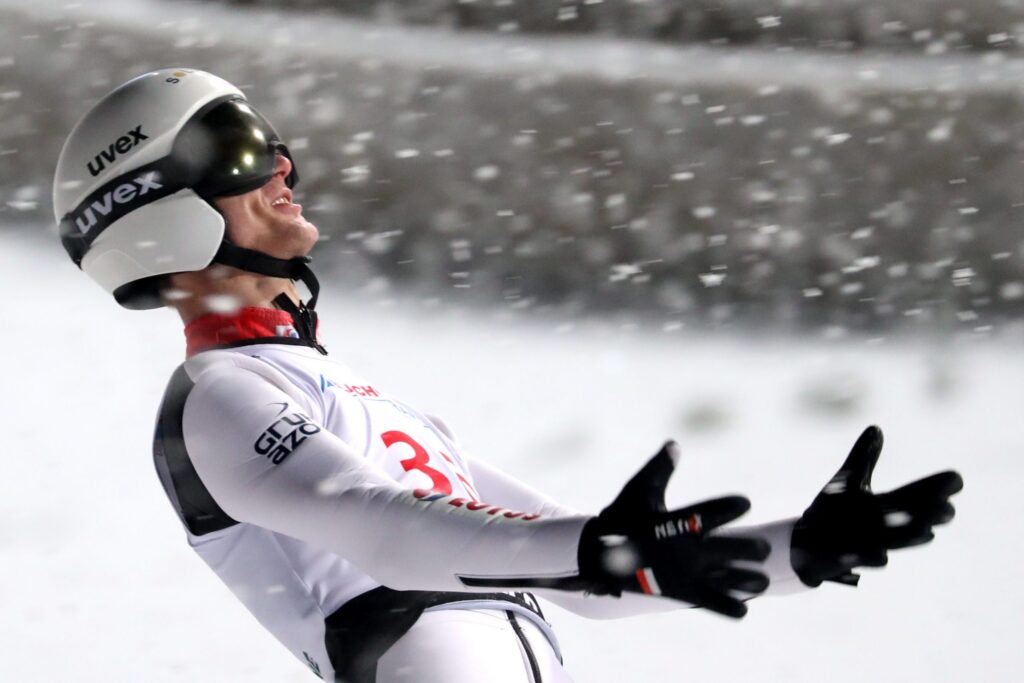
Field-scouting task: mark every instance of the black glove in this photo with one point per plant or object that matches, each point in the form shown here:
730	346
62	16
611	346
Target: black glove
848	526
635	544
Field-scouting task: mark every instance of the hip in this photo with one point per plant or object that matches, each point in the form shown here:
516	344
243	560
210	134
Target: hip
470	645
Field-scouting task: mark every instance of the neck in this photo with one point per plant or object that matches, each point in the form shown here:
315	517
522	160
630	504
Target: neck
250	325
220	289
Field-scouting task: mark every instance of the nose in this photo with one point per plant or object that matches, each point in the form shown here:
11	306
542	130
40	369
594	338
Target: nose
285	169
282	166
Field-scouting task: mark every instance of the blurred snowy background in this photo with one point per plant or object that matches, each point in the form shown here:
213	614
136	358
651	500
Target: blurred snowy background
572	228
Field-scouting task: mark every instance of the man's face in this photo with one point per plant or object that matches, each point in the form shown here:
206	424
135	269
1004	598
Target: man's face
266	219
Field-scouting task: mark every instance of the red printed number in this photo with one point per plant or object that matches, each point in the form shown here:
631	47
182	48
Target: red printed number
419	462
441	484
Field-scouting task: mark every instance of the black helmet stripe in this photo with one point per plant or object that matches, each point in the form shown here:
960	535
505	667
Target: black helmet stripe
115	199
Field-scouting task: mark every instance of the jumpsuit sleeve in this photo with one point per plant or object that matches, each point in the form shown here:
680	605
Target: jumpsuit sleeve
501	488
783	580
312	486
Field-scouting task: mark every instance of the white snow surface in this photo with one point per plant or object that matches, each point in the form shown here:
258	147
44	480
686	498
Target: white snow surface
99	584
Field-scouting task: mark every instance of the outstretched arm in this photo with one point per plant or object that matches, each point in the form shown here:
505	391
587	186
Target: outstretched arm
322	492
502	488
846	526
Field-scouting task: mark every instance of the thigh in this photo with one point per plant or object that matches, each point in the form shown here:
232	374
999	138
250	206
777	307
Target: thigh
467	646
551	670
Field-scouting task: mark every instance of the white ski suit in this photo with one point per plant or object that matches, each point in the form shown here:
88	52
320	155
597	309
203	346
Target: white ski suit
351	525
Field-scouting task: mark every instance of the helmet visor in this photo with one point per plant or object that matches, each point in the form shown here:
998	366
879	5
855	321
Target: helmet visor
230	149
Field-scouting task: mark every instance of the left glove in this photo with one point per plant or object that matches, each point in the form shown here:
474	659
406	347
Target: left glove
848	526
638	545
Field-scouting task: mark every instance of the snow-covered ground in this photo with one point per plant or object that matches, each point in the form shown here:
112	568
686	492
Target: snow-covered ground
99	585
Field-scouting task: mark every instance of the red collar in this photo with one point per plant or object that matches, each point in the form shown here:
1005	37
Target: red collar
217	329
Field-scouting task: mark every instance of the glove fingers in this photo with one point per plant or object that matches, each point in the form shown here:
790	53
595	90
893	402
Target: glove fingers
909	537
724	549
846	578
646	490
860	463
946	515
736	579
873	557
718	602
939	485
714	513
932	513
904	529
940	513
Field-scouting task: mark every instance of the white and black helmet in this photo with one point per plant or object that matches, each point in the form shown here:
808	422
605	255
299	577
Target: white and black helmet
136	175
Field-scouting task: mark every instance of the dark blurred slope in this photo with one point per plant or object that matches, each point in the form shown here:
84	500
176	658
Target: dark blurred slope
933	26
697	185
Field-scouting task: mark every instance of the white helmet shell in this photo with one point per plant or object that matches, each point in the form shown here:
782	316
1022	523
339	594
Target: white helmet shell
133	126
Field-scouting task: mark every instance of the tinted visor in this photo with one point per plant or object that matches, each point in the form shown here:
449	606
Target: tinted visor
230	149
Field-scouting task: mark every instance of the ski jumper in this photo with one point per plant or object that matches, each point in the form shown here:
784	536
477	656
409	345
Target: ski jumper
354	528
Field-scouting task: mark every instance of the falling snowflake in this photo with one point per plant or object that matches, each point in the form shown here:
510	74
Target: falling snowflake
485	173
711	279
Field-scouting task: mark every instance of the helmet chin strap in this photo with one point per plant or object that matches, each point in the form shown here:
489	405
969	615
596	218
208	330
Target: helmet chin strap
297	268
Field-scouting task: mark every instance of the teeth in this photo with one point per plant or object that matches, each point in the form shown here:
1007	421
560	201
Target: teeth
282	200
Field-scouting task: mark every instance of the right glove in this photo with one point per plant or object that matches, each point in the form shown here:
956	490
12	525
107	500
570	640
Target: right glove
636	545
848	525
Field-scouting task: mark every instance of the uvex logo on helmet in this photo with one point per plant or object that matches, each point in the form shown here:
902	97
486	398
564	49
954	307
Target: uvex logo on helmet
122	145
112	201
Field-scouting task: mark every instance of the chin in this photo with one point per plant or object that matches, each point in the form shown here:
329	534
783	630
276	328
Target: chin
311	233
304	235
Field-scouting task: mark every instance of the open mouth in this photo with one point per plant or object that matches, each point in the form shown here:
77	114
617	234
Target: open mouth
284	203
284	198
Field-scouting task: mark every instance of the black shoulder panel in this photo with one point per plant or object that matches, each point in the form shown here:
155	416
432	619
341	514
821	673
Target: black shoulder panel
198	510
